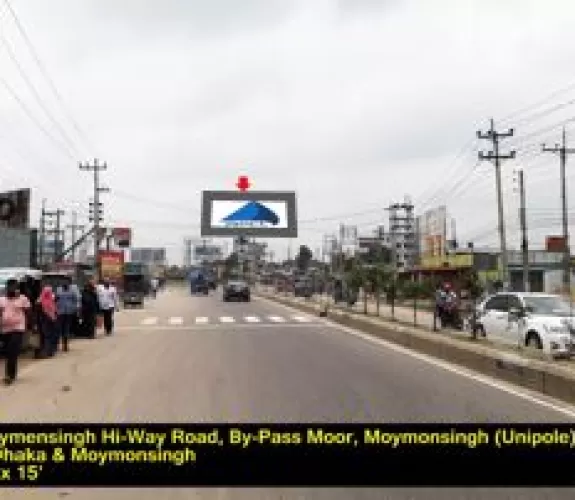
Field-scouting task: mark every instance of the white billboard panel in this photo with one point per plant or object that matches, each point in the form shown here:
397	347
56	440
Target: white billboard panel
433	232
236	214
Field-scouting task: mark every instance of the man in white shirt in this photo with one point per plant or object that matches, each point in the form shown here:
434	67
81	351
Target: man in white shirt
154	285
109	302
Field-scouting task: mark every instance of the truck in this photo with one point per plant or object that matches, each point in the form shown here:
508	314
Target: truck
135	283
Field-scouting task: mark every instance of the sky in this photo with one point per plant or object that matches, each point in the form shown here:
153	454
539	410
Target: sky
352	104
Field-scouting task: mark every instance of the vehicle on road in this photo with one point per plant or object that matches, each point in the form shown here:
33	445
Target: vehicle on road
134	284
536	320
237	289
198	283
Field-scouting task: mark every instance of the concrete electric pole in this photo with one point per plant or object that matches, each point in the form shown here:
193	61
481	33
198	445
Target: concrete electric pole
96	168
42	242
563	151
58	243
524	238
74	228
495	157
47	218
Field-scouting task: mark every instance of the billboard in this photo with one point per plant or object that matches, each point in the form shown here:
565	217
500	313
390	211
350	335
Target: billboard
111	265
433	232
148	255
15	209
264	214
122	236
208	252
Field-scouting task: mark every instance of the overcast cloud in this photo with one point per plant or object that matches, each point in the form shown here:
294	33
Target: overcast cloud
352	103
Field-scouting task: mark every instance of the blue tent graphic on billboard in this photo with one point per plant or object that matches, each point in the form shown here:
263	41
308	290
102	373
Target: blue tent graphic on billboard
252	214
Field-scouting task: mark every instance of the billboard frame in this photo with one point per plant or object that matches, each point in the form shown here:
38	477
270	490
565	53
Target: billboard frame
288	197
16	203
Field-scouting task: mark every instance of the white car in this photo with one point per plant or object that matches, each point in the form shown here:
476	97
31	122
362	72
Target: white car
537	320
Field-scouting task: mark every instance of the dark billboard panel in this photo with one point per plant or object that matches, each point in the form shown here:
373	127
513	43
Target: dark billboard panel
264	214
15	209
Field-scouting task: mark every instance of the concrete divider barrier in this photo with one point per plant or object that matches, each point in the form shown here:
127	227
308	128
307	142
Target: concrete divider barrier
535	374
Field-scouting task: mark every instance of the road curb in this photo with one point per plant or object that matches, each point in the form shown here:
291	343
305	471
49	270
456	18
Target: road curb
535	375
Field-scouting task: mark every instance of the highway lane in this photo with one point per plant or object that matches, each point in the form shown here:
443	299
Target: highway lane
162	364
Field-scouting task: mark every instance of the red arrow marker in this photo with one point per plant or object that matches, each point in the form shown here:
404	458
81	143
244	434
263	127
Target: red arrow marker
243	183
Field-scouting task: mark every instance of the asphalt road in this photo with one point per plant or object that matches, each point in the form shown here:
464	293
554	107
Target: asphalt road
197	359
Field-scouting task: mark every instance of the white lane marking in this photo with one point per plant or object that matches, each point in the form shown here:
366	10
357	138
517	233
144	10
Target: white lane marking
226	319
276	319
302	319
252	319
176	320
557	406
201	320
149	321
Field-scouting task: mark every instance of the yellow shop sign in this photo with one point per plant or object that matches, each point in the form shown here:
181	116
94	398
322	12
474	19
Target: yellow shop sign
460	260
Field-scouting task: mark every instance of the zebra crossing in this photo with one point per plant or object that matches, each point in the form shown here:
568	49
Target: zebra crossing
224	320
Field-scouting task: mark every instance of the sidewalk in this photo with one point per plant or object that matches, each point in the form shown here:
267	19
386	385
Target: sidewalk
401	313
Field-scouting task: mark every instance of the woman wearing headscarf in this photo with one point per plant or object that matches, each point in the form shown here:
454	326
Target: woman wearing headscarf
48	320
89	309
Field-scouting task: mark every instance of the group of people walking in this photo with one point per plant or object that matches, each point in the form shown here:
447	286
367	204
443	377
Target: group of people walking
54	315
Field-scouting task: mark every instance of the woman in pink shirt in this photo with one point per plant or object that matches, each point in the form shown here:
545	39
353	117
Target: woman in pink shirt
14	310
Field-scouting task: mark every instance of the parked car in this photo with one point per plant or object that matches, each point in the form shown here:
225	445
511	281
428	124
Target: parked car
236	289
536	320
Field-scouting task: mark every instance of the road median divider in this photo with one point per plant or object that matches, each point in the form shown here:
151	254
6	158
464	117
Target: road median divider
530	370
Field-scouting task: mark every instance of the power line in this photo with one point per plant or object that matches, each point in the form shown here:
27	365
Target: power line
35	93
519	112
44	71
30	115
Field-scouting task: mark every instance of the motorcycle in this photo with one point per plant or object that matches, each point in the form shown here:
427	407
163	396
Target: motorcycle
450	316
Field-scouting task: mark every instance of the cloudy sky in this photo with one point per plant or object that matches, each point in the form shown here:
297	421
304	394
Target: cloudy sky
354	104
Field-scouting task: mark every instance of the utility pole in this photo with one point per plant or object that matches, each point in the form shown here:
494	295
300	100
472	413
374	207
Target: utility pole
563	151
48	218
75	227
96	168
58	234
42	238
495	157
524	239
341	260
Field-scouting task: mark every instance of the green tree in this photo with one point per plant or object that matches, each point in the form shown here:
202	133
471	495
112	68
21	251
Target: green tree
379	277
304	258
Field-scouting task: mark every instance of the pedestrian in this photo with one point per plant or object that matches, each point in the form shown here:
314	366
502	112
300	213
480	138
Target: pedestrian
30	288
67	308
89	309
155	286
109	303
49	320
15	317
